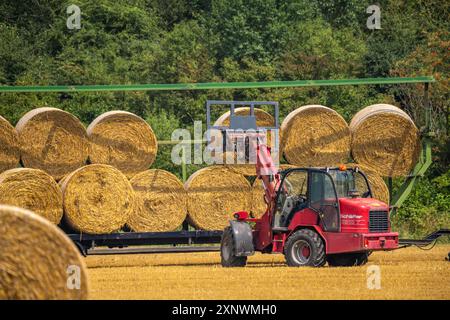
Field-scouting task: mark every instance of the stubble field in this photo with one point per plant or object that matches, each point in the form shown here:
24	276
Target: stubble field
405	274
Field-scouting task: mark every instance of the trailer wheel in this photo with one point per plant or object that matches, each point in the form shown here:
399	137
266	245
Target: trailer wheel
305	248
348	259
228	258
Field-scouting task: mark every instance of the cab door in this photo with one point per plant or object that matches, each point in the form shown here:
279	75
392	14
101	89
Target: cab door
323	199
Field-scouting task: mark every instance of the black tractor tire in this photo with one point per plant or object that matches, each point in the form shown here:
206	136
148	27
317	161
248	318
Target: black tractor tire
305	239
228	258
348	259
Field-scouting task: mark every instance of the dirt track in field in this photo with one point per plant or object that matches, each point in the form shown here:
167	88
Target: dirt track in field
405	274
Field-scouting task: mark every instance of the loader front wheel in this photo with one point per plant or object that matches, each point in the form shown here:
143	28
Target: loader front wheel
227	251
305	248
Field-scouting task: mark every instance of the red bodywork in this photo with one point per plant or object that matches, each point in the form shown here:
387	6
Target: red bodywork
354	235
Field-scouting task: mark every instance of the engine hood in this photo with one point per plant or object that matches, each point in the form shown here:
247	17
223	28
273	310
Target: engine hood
354	205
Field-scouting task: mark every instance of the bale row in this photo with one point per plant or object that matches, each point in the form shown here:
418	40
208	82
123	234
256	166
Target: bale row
55	141
381	137
99	198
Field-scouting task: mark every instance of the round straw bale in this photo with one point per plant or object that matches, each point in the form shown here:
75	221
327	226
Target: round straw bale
214	194
263	119
37	260
97	199
161	201
259	206
9	146
315	136
124	140
53	140
32	189
385	139
379	188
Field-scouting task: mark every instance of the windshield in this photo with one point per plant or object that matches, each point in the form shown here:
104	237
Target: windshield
349	182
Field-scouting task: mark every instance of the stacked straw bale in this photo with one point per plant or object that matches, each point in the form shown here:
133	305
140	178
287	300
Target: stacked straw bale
315	136
52	140
9	146
385	139
123	140
32	189
214	194
37	260
161	201
97	199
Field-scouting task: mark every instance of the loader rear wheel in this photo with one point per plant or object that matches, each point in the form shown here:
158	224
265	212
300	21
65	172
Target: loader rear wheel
227	255
305	248
348	259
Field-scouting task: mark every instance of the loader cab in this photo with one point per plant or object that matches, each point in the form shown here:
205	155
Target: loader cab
318	190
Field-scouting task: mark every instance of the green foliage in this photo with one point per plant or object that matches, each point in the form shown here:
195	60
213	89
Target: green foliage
247	29
427	209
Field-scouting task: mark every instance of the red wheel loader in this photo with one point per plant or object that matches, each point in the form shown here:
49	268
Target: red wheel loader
313	215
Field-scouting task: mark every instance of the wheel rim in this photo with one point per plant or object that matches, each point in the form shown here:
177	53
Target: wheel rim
301	252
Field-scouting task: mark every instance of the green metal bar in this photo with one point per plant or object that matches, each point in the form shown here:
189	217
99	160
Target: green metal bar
424	163
215	85
183	167
418	171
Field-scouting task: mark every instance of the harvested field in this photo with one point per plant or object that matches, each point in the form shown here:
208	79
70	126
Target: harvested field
405	274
